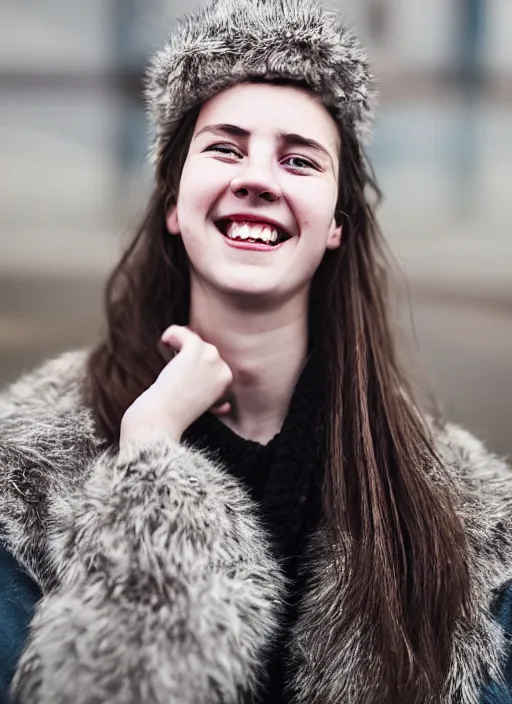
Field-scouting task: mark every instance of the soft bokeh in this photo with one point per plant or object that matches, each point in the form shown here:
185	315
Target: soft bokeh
73	143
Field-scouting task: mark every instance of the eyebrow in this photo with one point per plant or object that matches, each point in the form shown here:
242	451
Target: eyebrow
290	139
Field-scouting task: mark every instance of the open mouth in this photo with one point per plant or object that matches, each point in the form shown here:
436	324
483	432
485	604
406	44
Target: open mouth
243	232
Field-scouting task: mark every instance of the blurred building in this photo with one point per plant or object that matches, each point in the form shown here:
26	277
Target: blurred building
74	136
73	142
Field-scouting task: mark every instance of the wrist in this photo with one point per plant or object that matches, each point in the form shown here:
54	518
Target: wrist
145	433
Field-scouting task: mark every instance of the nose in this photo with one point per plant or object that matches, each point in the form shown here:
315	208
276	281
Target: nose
255	184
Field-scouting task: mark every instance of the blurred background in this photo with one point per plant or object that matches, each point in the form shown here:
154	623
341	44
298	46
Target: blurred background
74	178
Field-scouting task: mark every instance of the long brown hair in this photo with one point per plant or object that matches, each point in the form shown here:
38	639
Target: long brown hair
407	574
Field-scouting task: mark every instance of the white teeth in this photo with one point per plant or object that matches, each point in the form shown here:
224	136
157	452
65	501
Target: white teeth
255	231
244	232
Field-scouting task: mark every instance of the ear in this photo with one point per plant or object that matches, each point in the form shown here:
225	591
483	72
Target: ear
334	236
172	221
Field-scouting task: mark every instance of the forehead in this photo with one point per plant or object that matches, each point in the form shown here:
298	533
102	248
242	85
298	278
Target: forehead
267	109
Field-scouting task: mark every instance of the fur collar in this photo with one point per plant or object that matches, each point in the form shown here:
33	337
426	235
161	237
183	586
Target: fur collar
156	556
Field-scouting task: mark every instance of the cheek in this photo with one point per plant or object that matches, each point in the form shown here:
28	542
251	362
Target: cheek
315	206
202	184
199	192
191	194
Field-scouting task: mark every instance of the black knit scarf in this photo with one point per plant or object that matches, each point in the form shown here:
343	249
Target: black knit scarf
284	477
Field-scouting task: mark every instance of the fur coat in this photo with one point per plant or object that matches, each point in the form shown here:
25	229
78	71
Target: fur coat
157	578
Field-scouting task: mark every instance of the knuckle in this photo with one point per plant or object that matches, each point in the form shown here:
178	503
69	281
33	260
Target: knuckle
211	352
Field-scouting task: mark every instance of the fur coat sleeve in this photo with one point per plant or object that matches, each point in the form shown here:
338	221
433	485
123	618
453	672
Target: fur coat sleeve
158	583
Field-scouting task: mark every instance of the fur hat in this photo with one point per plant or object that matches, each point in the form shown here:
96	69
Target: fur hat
232	41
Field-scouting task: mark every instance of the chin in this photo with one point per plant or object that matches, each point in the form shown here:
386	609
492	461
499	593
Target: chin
252	294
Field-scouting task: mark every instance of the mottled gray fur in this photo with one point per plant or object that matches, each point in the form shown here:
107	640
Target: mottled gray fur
160	587
158	581
231	41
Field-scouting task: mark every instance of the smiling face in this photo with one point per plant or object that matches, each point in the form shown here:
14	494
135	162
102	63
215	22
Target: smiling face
262	166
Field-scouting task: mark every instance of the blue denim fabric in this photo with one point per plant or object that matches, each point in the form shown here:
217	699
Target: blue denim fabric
502	612
18	597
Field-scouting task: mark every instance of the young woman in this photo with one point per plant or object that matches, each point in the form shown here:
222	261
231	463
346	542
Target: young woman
234	496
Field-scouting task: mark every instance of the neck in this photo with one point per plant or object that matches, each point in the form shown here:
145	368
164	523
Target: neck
265	348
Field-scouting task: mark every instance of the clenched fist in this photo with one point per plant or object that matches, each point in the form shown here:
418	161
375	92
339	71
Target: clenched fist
193	382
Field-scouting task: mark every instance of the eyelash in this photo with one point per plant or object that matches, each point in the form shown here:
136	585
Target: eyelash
220	147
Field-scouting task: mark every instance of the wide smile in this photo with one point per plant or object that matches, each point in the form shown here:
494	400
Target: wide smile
257	236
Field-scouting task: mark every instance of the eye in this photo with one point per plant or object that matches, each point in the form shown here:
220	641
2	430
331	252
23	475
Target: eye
223	149
301	163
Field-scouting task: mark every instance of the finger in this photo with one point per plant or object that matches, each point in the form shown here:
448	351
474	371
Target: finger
166	351
221	410
177	335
